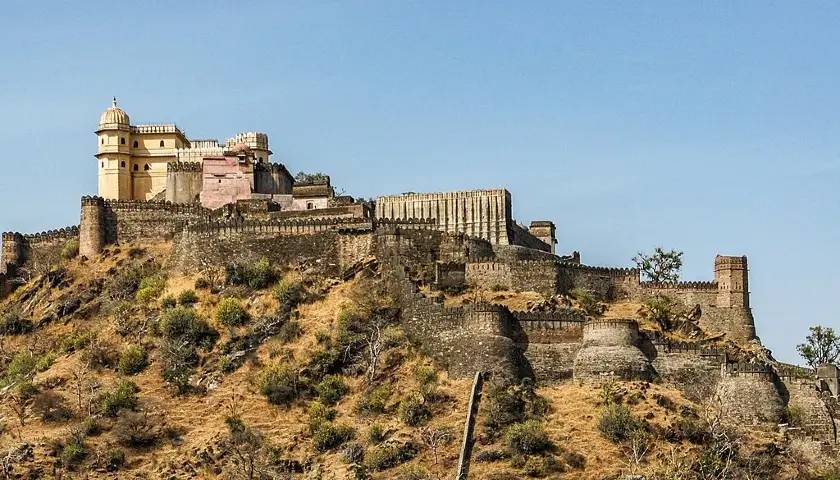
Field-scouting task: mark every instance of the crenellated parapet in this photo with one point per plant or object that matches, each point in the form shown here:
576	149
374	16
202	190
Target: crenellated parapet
693	285
183	167
294	226
61	234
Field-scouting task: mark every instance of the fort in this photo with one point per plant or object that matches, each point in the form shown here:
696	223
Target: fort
220	203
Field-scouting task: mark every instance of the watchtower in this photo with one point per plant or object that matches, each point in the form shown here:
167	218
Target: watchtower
733	286
114	154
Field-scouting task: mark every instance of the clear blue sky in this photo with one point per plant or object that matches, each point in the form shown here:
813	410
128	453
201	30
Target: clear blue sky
711	127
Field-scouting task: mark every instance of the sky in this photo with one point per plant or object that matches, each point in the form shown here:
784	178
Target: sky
707	127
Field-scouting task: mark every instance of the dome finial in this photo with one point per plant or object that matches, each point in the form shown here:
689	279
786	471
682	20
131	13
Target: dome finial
114	103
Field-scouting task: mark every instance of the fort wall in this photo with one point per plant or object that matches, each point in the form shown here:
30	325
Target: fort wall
611	350
749	393
183	182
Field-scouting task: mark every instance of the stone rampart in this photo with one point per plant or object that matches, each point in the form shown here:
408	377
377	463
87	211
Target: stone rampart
807	409
611	350
604	282
750	393
183	182
34	251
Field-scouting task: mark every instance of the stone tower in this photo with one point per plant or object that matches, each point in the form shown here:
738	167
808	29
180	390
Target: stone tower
91	227
114	154
257	142
544	230
731	277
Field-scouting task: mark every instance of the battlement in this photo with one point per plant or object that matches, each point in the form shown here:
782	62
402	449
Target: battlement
694	285
292	226
205	143
183	167
157	128
255	140
750	370
271	167
141	205
611	324
444	195
730	261
564	319
611	271
65	233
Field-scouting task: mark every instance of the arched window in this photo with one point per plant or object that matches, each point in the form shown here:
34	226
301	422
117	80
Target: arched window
161	143
135	167
102	141
101	164
122	164
310	205
135	144
122	141
146	167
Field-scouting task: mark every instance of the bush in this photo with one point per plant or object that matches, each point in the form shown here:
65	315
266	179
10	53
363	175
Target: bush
20	366
183	323
150	288
45	361
125	282
260	274
389	455
353	452
279	384
574	460
76	341
288	293
587	301
124	396
487	456
14	323
187	297
331	389
318	414
413	410
90	427
289	331
73	453
99	354
133	359
168	301
328	436
70	249
114	459
134	430
375	401
691	429
540	466
617	423
178	361
230	313
376	434
202	283
528	437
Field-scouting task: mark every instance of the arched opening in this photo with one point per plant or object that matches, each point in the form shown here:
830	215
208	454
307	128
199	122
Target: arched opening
102	141
122	141
101	164
122	164
136	144
161	143
310	206
135	167
146	167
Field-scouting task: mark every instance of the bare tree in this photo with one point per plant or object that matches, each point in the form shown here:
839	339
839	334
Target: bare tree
434	438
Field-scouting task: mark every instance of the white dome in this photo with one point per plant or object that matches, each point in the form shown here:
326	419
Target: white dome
113	116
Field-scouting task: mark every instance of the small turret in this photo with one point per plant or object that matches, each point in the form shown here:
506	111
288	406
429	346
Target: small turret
114	153
733	285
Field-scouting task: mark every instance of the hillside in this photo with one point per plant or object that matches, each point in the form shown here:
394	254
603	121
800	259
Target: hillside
122	367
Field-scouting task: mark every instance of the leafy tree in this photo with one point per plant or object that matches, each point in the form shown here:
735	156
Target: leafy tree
820	347
317	177
660	266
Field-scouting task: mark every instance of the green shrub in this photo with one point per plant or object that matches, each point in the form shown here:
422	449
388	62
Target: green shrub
168	301
279	384
187	297
133	359
230	312
289	331
76	341
527	437
45	361
353	452
150	288
70	249
318	414
123	396
90	427
289	293
178	359
587	301
114	459
20	366
375	401
14	323
540	466
260	274
331	389
389	455
413	410
184	323
73	453
202	283
328	436
25	389
125	282
376	434
617	423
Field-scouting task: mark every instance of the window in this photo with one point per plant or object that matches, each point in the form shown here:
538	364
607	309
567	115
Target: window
161	143
135	144
146	167
101	164
102	141
122	141
310	205
122	164
135	167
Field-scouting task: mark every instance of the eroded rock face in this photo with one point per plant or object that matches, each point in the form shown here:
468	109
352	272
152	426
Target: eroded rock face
750	395
610	350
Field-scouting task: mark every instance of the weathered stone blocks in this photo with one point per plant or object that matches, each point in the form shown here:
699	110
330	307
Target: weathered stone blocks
611	349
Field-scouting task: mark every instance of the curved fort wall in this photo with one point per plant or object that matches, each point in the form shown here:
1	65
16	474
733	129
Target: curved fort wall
35	251
611	349
749	393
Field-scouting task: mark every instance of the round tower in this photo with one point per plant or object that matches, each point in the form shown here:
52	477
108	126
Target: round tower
91	227
610	350
113	154
749	393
